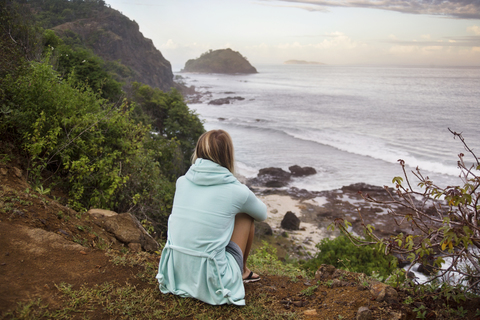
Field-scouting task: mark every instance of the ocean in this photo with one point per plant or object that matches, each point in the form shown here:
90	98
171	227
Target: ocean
352	124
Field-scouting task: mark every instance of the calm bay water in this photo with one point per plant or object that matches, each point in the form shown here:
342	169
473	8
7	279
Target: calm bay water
351	124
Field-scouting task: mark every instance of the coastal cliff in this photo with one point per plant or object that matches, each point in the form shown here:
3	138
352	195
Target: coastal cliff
114	37
220	61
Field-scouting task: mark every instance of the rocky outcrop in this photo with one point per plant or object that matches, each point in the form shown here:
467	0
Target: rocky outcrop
298	171
220	61
271	178
125	228
114	37
277	177
226	100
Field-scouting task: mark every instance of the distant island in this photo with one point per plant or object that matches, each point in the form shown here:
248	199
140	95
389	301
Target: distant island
220	61
302	62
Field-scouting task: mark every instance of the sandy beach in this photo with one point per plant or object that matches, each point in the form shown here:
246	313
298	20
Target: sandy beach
309	234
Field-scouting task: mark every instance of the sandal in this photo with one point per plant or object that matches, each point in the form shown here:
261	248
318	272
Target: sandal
250	278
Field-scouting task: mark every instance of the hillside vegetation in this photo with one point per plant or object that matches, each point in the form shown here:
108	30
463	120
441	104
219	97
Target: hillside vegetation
93	25
71	126
220	61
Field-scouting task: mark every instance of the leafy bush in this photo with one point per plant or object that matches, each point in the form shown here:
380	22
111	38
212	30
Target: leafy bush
171	118
80	64
343	254
444	222
69	130
58	116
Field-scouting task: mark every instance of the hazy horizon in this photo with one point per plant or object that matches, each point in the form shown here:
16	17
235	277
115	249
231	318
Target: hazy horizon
340	32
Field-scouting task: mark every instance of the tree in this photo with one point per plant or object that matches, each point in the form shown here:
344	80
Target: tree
170	118
444	220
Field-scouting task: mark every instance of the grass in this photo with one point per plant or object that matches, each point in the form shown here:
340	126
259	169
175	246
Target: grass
127	301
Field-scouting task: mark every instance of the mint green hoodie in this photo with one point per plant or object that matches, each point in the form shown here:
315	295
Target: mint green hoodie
194	262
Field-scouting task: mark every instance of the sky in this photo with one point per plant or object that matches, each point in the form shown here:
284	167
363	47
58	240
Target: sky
334	32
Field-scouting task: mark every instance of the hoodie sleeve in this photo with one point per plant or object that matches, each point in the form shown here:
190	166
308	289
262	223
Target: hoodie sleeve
254	207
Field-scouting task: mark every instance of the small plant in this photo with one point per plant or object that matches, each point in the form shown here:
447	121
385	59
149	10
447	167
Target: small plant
79	240
461	312
408	300
375	275
421	312
309	291
42	191
5	158
148	226
101	243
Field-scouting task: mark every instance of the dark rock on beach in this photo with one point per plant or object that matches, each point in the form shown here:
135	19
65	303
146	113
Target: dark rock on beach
363	187
290	221
298	171
271	178
226	100
274	172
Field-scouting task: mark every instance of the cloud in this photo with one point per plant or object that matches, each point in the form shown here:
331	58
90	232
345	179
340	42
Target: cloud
463	9
315	8
474	30
333	40
466	41
170	44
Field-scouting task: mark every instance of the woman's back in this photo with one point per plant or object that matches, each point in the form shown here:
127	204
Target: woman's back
201	224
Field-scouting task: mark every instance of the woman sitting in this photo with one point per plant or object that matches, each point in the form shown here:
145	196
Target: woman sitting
210	229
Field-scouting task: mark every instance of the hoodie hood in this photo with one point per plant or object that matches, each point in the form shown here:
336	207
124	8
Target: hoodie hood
208	173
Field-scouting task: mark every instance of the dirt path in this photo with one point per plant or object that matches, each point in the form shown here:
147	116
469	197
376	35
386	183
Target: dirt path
33	261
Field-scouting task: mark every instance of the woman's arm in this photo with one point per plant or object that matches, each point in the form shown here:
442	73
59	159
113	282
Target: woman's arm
254	207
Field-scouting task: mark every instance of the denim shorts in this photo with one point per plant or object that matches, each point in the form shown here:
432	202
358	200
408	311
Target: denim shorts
236	252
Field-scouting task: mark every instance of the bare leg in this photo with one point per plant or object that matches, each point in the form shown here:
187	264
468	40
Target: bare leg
243	233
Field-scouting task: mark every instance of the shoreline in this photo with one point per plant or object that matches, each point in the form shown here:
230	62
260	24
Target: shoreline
317	210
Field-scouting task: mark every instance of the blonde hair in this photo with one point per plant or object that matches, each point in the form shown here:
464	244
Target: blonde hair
217	146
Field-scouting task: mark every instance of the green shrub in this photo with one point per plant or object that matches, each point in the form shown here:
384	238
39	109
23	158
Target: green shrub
70	130
343	254
171	118
57	115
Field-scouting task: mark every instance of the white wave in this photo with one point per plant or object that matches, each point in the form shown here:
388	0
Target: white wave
245	170
370	147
